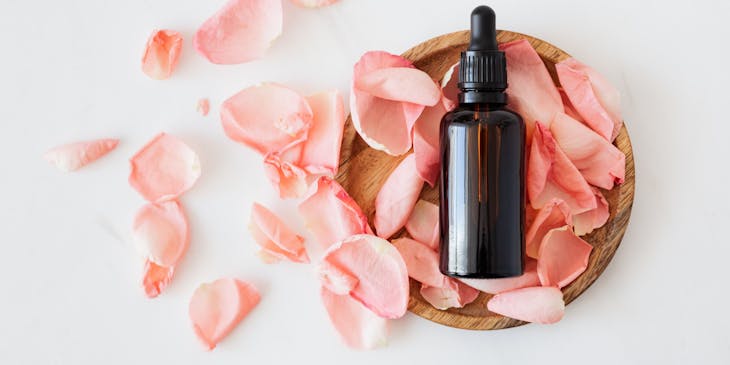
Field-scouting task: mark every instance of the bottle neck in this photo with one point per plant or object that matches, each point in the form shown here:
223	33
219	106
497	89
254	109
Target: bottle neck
473	96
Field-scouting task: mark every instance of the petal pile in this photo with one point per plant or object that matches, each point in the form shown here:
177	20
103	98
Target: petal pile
554	214
277	241
563	257
162	54
586	222
73	156
397	197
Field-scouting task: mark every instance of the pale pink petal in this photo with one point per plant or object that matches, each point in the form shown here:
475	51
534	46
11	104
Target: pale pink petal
288	179
400	84
239	32
586	222
495	286
268	118
423	224
563	257
568	106
382	277
336	279
422	261
314	3
550	174
397	197
592	96
276	238
156	278
203	106
73	156
358	326
321	151
161	233
216	308
331	214
162	53
600	162
164	168
426	142
536	304
449	87
451	294
554	214
531	92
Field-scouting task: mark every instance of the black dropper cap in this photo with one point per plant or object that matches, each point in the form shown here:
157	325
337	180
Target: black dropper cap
483	67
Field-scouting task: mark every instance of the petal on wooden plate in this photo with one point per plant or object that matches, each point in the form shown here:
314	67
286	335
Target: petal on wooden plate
405	84
495	286
397	197
586	222
563	257
554	214
160	232
358	326
275	238
73	156
321	150
421	261
423	224
426	142
162	53
451	294
535	304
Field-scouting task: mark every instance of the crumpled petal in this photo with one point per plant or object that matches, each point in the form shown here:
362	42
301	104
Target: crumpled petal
551	175
531	92
289	180
426	141
382	277
535	304
586	222
451	294
331	214
494	286
268	117
423	224
554	214
203	106
162	53
421	261
216	308
358	326
321	151
241	31
156	278
160	232
277	240
592	96
600	162
563	257
386	124
73	156
164	168
313	3
397	197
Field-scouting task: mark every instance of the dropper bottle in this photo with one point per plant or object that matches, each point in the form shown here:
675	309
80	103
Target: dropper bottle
482	182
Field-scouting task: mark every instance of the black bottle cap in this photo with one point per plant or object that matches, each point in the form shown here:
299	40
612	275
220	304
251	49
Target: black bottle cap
483	67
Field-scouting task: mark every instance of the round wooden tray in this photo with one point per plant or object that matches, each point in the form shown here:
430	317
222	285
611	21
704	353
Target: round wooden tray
363	171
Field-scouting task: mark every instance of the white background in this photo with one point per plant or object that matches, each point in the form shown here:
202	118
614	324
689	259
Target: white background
69	276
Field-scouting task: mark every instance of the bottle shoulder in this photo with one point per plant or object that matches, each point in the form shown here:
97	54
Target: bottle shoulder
469	115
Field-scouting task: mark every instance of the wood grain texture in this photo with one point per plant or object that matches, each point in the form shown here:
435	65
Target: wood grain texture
363	171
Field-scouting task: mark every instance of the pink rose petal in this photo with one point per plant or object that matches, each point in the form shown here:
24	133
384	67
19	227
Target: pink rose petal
203	106
495	286
550	174
216	308
337	280
426	142
449	87
421	261
321	151
586	222
406	84
164	168
313	3
423	224
268	118
536	304
554	214
156	278
358	326
162	53
288	179
568	106
239	32
382	277
276	239
161	232
397	197
331	214
563	257
73	156
592	96
451	294
600	162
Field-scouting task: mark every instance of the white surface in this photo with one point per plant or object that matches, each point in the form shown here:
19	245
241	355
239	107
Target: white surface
70	71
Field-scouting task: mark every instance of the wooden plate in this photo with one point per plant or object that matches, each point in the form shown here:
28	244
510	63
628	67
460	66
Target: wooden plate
363	171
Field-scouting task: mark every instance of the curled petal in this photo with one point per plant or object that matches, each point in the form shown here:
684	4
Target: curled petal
161	233
268	118
423	224
73	156
287	178
397	197
156	278
162	53
164	168
426	142
239	32
382	277
495	286
276	239
421	261
216	308
358	326
331	214
451	294
563	257
586	222
535	304
321	151
554	214
336	279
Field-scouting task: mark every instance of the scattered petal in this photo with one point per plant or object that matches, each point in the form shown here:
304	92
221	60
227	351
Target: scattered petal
162	53
276	239
239	32
289	180
73	156
343	217
358	326
451	294
313	3
335	279
423	224
216	308
382	277
156	278
586	222
426	142
397	197
563	257
405	84
554	214
203	106
164	168
421	261
321	151
160	232
536	304
495	286
268	117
